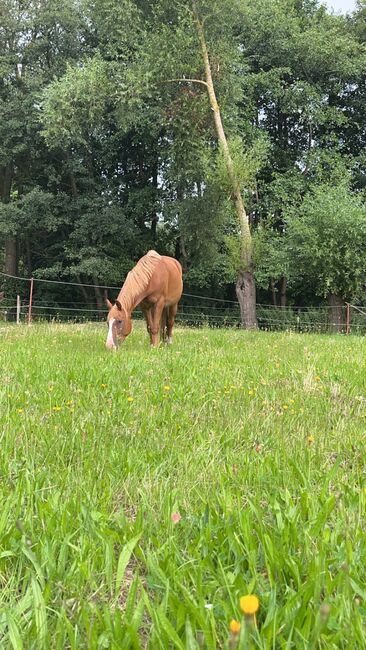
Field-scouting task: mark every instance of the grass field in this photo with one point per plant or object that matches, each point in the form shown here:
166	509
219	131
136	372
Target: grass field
144	492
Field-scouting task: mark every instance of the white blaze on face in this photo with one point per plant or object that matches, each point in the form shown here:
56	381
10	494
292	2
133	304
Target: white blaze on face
110	342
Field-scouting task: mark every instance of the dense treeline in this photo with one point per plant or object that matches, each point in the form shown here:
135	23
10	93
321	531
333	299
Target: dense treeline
109	146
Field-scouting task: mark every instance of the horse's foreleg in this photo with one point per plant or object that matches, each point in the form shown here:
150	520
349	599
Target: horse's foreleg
147	316
172	311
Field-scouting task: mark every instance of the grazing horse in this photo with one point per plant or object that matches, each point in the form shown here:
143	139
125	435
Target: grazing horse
155	283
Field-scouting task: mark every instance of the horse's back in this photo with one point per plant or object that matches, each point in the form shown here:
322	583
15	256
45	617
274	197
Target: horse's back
173	265
174	279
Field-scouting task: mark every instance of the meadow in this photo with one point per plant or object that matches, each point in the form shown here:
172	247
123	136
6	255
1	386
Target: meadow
144	492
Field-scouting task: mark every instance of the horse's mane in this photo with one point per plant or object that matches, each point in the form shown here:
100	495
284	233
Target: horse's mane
138	278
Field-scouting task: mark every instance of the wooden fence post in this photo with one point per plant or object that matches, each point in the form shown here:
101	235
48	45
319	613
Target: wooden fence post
348	323
30	302
18	310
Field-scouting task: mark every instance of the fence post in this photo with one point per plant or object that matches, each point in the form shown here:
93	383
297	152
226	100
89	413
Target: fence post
30	301
348	318
18	310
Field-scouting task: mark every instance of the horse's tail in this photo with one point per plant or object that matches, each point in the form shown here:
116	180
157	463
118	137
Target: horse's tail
164	324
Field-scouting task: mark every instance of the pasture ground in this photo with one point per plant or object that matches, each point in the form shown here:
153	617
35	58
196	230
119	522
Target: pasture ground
257	440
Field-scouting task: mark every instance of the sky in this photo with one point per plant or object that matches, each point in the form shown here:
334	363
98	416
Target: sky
341	5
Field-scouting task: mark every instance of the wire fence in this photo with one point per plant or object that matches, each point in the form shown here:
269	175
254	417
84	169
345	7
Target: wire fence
43	299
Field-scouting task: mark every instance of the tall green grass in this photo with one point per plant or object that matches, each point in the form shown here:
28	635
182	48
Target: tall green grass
257	440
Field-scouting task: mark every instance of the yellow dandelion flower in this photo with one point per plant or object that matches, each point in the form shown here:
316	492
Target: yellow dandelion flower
285	407
20	410
129	399
310	439
103	385
292	401
56	408
234	626
251	392
317	378
166	387
249	605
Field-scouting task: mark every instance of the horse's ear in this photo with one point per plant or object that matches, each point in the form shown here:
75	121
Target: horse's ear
109	304
118	305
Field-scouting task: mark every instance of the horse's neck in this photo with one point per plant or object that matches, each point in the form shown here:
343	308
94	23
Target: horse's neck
130	297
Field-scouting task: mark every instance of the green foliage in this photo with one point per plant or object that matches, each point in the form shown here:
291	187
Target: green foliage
247	163
271	256
36	210
74	105
118	27
101	243
326	240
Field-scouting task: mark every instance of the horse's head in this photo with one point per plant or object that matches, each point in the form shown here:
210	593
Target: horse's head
119	325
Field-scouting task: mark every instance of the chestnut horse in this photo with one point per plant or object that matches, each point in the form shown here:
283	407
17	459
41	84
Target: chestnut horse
155	283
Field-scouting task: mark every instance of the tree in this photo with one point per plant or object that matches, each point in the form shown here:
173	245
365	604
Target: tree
245	287
326	239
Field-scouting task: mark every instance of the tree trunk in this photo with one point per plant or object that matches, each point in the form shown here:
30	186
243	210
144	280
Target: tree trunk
11	248
154	216
28	255
88	302
272	288
99	298
336	315
283	287
246	294
71	175
6	178
154	223
180	247
11	256
247	297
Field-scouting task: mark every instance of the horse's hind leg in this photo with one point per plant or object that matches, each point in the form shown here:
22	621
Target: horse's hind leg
156	314
172	311
164	325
